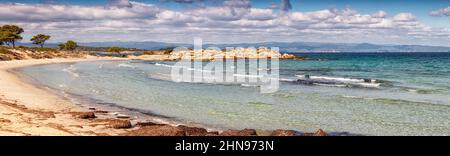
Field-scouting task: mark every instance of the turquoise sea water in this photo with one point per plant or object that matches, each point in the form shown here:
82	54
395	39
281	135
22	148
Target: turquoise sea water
370	93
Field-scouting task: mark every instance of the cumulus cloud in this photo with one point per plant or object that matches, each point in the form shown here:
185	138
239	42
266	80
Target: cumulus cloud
404	17
233	20
441	12
49	12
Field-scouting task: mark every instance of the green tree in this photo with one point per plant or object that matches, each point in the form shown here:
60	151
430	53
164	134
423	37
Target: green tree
10	34
69	45
62	46
40	39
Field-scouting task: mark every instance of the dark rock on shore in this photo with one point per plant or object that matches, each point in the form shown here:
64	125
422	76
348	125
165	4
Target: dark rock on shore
280	132
84	115
320	132
120	124
157	130
194	131
245	132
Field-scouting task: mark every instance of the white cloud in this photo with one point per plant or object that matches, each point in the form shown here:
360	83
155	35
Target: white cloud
441	12
47	12
404	17
380	14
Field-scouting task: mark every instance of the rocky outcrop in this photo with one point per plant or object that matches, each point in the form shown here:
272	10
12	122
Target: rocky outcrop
120	124
194	131
240	53
291	57
320	132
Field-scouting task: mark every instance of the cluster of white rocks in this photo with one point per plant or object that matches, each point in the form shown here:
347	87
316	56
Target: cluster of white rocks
239	53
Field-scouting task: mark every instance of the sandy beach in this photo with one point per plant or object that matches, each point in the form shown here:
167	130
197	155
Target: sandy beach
28	110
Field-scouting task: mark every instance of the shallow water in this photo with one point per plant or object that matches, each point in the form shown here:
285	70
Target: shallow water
374	94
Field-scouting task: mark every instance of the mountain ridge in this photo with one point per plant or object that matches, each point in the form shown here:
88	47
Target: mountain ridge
292	47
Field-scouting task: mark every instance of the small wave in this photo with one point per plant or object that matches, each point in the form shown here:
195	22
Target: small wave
357	97
338	81
330	85
163	65
71	70
286	80
264	69
249	76
249	85
184	67
125	65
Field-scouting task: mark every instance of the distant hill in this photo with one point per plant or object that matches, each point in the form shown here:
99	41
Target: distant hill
284	46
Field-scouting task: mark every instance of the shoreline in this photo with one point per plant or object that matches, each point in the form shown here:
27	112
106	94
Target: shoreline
23	103
87	103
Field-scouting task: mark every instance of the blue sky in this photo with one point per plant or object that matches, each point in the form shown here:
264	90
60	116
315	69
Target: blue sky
405	21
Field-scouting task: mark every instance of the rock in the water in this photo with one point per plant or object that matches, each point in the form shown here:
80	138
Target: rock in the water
281	132
144	124
320	132
84	115
194	131
120	124
245	132
165	130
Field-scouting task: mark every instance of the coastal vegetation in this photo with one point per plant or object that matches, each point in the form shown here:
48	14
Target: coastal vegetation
10	34
69	45
40	39
116	49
